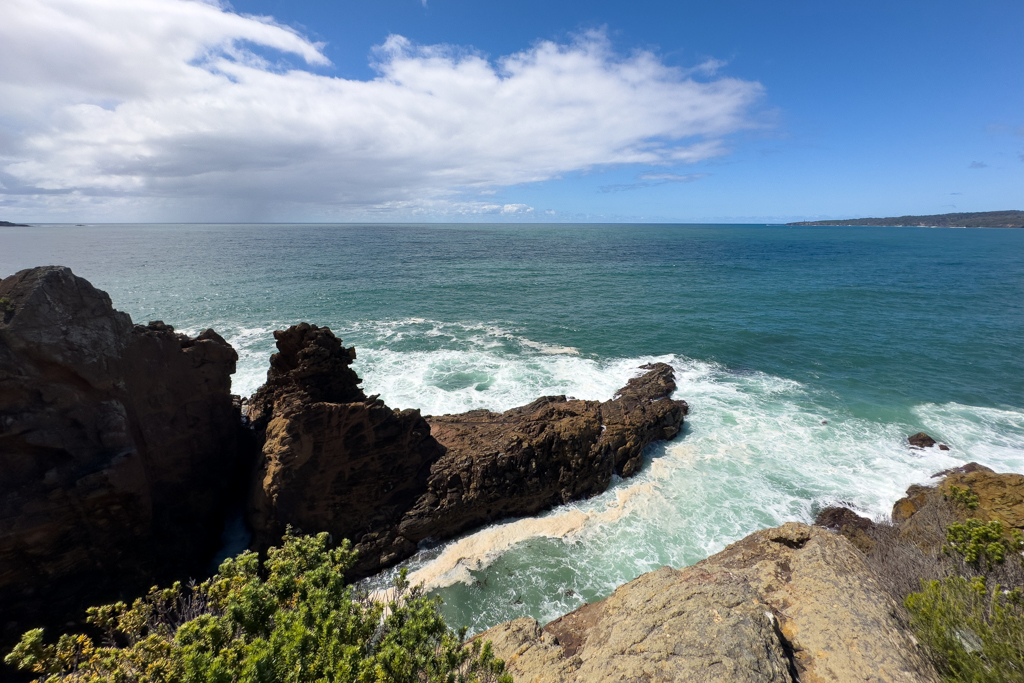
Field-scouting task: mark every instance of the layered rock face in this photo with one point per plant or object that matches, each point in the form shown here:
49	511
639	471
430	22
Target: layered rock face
922	514
335	460
549	452
785	604
116	443
332	459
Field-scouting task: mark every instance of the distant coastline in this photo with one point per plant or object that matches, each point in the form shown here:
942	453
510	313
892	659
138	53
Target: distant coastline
980	219
8	224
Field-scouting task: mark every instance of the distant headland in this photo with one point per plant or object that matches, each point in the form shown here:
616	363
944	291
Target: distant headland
8	224
980	219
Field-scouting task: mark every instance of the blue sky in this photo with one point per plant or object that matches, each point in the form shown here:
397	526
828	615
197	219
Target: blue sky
598	111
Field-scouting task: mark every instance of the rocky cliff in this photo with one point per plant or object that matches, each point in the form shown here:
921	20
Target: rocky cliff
336	460
116	443
794	603
549	452
333	459
998	497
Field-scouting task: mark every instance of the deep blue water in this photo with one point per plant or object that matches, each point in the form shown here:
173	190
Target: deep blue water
880	332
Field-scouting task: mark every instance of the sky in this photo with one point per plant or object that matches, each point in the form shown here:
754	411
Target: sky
449	110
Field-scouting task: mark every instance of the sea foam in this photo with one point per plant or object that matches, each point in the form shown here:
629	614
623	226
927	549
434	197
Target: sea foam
757	450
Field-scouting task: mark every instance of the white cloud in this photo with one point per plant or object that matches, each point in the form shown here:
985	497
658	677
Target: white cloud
653	179
515	209
162	109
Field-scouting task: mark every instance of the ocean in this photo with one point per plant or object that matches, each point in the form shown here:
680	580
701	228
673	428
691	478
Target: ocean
807	355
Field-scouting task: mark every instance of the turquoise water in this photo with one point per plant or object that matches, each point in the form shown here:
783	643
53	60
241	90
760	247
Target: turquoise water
806	354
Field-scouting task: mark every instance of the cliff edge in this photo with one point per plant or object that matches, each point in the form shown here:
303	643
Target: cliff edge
116	441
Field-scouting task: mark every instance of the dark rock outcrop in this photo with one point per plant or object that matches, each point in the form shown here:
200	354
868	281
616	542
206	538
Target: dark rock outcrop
336	460
922	441
784	604
310	366
551	451
333	459
116	444
848	523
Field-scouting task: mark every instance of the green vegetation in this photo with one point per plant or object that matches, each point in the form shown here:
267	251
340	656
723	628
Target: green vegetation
973	628
980	543
975	632
963	496
296	621
979	219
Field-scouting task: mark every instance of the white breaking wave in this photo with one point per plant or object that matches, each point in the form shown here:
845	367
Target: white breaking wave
468	365
758	450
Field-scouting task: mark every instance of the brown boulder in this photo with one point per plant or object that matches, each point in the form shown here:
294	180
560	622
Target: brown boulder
334	460
784	604
116	443
922	440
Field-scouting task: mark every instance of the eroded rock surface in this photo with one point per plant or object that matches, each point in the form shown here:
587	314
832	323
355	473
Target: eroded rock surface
923	514
848	523
336	460
116	443
310	366
549	452
791	603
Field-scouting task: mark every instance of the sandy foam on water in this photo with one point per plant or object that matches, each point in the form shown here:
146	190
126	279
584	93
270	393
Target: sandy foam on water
758	450
478	550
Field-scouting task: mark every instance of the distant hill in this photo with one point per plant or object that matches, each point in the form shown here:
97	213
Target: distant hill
12	225
981	219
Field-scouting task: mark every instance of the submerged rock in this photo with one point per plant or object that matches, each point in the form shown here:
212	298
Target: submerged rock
333	459
116	445
784	604
922	441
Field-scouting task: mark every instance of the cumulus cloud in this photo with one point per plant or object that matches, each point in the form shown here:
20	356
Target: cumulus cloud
161	107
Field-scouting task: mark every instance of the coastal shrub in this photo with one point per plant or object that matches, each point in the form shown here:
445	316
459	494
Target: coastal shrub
900	563
962	496
293	620
982	545
975	633
972	622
